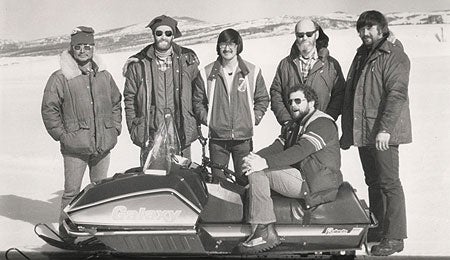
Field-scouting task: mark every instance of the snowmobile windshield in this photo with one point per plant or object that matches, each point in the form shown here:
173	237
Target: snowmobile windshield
165	147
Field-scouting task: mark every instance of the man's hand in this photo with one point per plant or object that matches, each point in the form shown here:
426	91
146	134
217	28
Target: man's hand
253	163
382	141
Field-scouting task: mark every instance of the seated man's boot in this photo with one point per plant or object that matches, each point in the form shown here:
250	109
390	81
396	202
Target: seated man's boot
65	236
387	247
374	236
264	238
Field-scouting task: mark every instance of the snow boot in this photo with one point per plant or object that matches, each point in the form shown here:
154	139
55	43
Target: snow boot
264	238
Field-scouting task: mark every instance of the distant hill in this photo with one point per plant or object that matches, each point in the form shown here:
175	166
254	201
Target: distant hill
134	37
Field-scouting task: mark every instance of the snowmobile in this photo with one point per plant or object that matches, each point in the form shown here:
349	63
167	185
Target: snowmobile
179	209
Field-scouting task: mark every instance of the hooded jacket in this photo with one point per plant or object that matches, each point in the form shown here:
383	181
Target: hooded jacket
231	116
377	100
143	108
325	77
82	111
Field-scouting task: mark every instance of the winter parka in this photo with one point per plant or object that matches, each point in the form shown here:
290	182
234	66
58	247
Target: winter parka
325	77
82	111
377	100
312	146
143	108
231	116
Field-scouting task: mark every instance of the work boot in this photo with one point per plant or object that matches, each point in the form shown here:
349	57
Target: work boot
374	235
387	247
264	238
64	235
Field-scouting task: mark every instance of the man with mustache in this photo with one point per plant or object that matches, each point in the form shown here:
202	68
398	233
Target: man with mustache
159	79
81	109
310	63
376	119
232	103
304	162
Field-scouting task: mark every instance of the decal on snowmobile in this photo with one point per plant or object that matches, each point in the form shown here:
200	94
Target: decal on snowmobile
341	231
122	213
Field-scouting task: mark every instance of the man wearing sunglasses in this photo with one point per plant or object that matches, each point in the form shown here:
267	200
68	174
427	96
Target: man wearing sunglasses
231	103
157	79
308	63
304	162
376	119
81	108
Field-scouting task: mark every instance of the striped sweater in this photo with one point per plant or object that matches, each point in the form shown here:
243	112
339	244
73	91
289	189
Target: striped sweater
312	146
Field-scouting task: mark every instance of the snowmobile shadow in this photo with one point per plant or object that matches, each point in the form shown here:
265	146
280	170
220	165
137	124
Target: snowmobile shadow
29	210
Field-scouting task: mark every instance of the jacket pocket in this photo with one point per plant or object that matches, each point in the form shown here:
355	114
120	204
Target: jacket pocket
137	132
109	137
318	177
370	124
78	138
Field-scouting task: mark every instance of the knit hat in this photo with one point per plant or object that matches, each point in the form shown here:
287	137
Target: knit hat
165	20
82	35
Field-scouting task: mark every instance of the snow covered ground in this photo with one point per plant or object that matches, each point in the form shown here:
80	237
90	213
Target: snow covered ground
31	178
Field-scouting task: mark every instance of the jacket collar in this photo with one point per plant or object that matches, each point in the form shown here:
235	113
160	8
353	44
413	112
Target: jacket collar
242	67
69	66
149	51
385	45
322	53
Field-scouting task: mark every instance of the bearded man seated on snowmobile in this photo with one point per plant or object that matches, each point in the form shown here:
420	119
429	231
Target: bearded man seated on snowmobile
303	162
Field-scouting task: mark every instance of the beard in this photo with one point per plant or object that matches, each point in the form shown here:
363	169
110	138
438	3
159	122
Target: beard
306	47
299	115
163	45
367	40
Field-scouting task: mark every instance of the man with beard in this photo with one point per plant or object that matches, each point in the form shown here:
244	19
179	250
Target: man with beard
236	102
304	162
308	63
159	78
376	119
81	109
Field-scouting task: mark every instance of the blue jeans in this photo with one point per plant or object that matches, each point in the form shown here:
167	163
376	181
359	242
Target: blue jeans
220	150
74	168
285	180
386	197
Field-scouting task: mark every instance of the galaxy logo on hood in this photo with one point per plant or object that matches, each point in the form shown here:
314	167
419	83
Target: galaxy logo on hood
122	213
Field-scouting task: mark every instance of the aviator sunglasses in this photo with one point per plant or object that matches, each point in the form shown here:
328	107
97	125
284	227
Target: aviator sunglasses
160	33
301	34
297	101
86	47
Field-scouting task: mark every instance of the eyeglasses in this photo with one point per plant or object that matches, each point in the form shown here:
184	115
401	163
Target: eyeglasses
297	101
309	34
223	45
86	47
160	33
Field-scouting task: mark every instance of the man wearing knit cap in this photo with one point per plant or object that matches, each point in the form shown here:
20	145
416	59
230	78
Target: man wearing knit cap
81	109
157	79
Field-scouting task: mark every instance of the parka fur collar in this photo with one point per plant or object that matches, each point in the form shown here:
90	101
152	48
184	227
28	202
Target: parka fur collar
69	66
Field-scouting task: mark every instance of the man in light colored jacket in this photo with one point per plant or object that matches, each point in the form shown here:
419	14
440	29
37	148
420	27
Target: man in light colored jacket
231	103
81	109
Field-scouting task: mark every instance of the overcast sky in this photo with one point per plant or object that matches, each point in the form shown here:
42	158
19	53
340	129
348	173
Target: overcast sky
33	19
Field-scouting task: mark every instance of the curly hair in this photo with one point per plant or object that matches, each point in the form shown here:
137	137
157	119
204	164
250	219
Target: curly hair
309	93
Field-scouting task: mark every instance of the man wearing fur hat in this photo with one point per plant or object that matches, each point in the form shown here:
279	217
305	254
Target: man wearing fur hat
159	78
81	109
308	63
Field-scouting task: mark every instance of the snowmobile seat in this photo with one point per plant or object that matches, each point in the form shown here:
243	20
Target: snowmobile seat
346	209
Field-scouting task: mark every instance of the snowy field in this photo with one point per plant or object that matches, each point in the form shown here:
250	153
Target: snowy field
31	168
